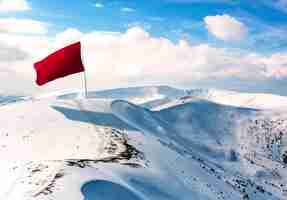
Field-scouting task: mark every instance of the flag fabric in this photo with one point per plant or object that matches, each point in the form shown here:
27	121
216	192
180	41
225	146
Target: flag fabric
61	63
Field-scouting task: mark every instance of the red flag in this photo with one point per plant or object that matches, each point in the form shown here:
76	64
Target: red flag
61	63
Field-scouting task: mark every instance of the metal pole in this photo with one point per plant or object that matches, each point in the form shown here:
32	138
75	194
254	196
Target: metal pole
84	82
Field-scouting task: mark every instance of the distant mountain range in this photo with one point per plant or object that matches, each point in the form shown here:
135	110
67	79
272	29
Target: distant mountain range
155	142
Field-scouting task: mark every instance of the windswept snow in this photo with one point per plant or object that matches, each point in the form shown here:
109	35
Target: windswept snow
40	131
142	143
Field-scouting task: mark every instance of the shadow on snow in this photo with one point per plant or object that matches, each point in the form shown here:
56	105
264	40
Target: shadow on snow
97	118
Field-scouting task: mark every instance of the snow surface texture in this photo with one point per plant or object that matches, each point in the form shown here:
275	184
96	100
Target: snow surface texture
144	143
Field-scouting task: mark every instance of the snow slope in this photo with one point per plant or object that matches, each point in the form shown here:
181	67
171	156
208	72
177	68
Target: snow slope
209	135
40	131
10	99
137	95
251	100
175	146
35	132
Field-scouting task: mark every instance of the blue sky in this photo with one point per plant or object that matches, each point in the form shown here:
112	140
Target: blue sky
169	18
160	17
247	29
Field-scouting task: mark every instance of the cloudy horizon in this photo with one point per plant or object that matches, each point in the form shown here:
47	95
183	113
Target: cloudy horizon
183	43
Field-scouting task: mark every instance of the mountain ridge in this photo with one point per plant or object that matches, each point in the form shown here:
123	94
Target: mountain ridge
202	148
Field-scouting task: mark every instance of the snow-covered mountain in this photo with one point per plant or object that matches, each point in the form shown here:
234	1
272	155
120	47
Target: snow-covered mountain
152	142
133	94
252	100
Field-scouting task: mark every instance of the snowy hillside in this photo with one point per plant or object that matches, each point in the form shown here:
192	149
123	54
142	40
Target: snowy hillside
144	143
251	100
133	94
10	99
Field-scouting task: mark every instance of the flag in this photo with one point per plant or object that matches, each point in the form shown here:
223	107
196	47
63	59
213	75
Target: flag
61	63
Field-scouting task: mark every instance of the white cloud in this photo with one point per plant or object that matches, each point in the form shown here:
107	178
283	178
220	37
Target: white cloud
225	27
137	58
26	26
17	55
98	5
127	9
275	65
14	5
11	53
68	36
32	44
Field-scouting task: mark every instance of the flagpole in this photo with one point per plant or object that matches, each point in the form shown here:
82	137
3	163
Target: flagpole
84	83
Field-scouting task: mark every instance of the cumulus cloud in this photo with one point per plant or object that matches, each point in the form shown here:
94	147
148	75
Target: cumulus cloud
11	53
26	26
275	65
34	45
68	36
16	64
14	5
135	57
225	27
